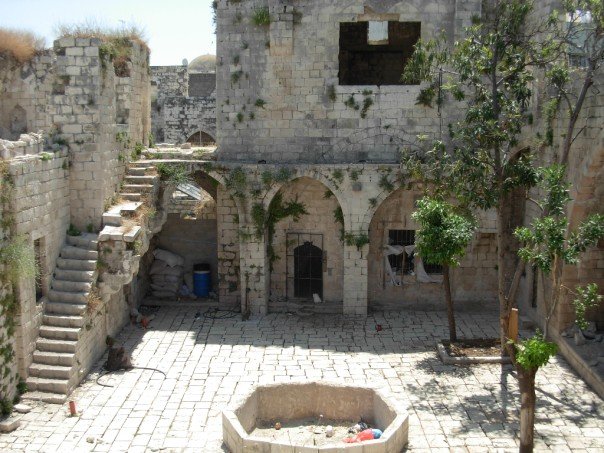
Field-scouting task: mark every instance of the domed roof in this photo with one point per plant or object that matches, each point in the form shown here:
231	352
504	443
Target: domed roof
203	63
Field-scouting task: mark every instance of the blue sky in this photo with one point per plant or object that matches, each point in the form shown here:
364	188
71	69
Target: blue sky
175	29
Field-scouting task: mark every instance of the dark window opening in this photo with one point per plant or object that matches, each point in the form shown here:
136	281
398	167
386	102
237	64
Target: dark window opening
404	261
39	257
365	60
200	138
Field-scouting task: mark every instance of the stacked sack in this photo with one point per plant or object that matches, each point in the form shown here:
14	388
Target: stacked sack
166	274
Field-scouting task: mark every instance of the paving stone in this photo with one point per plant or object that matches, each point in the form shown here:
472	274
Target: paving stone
471	408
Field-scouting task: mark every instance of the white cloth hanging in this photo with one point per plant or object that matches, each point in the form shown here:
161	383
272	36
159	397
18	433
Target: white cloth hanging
420	272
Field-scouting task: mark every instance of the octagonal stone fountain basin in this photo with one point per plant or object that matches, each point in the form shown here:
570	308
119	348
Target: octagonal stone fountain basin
289	403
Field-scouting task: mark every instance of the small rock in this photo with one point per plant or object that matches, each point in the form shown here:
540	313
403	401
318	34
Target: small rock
185	146
22	408
579	339
90	440
9	425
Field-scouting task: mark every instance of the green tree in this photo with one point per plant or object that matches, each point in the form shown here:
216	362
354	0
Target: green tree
490	75
489	72
442	238
549	243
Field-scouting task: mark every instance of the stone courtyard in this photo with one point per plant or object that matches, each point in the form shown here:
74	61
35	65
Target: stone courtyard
211	362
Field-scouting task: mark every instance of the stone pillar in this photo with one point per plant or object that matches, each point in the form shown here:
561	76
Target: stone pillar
254	277
355	280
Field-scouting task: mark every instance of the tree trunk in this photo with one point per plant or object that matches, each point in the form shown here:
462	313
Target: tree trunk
503	306
449	300
526	382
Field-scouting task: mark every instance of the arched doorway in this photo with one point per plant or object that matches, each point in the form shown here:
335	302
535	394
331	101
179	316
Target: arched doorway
306	258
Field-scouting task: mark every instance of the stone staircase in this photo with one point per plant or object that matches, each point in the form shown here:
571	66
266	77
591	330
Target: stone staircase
137	183
54	371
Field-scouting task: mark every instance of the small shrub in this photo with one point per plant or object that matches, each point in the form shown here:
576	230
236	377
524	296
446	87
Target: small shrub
261	16
90	228
260	103
236	76
73	231
6	407
46	156
21	387
173	174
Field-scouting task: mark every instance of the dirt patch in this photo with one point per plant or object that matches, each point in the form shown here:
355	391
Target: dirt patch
304	432
481	347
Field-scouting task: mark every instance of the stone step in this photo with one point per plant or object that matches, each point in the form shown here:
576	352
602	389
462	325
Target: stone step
76	265
112	219
63	321
140	179
138	171
57	308
137	188
77	253
50	345
85	240
54	358
53	398
74	276
48	385
60	333
67	285
140	163
68	297
131	196
45	371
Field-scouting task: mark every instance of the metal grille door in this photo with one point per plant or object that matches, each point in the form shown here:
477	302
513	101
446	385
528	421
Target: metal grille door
306	258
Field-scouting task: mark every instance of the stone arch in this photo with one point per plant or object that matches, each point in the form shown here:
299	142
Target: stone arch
379	200
314	175
319	229
199	136
219	225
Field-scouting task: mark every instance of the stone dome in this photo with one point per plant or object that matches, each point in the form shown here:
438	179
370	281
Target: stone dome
203	63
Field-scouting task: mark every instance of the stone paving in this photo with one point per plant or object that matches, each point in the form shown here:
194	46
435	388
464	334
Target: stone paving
210	362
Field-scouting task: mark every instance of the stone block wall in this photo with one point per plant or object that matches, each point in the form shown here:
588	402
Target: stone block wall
40	208
25	92
178	113
278	94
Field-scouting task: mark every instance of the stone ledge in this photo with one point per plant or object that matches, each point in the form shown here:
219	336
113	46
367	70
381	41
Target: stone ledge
448	360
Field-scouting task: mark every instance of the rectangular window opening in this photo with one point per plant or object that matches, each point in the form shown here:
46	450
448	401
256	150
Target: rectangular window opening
403	261
40	275
376	54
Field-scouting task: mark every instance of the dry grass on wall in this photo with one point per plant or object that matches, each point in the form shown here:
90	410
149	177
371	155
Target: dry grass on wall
19	44
92	29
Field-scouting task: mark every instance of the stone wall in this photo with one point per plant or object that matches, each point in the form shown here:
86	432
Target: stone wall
474	282
183	104
279	96
40	204
25	92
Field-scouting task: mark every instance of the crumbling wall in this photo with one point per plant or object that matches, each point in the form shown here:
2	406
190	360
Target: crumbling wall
278	90
25	91
227	217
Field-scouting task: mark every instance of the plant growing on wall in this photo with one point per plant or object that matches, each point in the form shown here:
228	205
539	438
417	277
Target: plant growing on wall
265	220
261	16
173	174
442	238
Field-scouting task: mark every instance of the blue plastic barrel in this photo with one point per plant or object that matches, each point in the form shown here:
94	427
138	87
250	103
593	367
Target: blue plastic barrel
201	283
